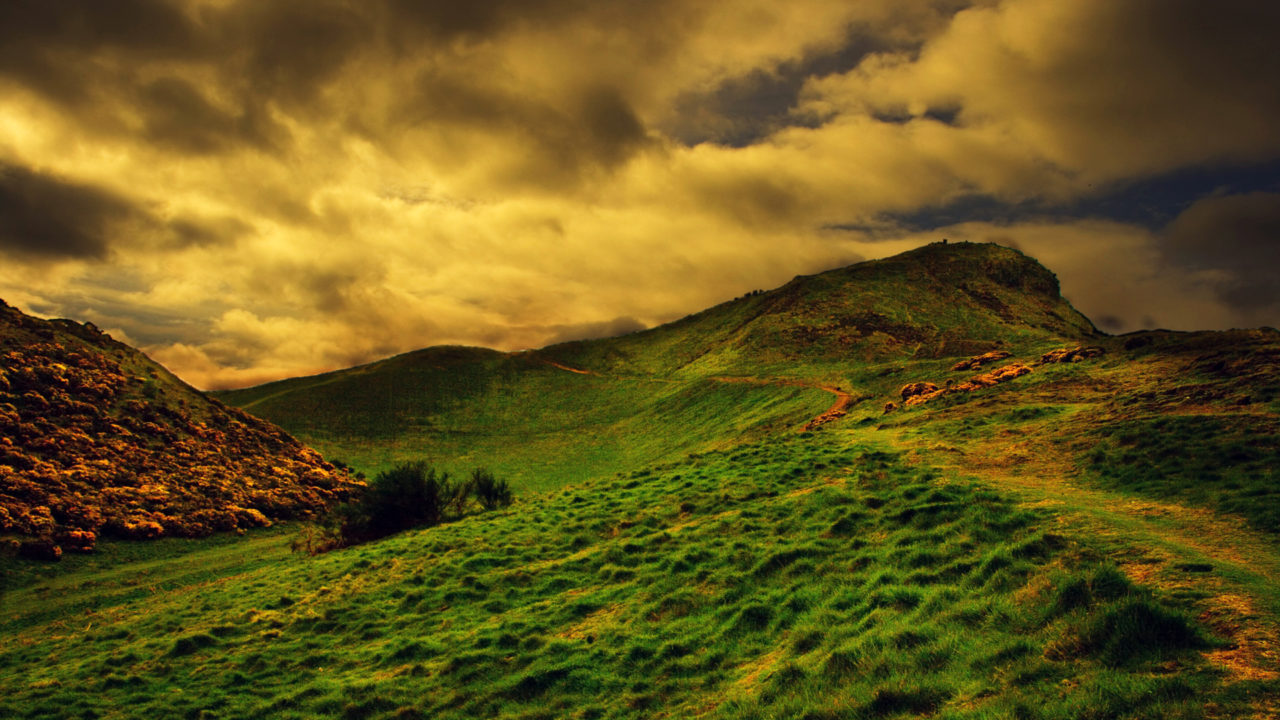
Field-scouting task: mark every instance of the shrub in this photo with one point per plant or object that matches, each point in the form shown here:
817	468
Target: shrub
409	495
490	491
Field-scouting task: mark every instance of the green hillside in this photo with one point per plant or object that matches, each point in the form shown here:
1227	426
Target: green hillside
923	487
656	394
812	576
941	300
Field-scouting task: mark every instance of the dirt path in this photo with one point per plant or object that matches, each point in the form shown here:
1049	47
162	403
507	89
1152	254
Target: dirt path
1167	545
566	368
1170	546
838	409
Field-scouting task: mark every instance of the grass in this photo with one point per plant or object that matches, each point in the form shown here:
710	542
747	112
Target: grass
540	426
803	577
1218	462
653	395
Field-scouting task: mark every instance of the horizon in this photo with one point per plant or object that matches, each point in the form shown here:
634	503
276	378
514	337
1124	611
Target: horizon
252	191
621	333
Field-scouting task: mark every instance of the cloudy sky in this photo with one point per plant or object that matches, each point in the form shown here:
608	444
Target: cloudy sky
252	189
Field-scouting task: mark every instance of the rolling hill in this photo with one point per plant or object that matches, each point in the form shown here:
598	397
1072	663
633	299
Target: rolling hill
683	386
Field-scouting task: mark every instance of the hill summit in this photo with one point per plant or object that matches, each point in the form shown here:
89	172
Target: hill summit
939	300
742	369
95	437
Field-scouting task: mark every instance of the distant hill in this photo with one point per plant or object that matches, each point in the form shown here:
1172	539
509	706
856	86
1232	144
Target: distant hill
97	438
660	393
940	300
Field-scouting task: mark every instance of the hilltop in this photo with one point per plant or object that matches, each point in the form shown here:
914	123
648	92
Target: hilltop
99	439
967	350
939	300
741	370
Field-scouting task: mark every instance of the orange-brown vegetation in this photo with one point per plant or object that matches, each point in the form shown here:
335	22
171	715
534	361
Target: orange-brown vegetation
96	439
917	389
1063	355
922	392
978	361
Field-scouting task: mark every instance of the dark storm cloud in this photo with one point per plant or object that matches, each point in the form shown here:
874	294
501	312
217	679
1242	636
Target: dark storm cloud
296	46
45	216
556	143
746	108
417	20
611	128
42	43
1238	234
49	217
179	115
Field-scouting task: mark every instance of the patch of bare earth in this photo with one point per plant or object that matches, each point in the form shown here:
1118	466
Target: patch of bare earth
1252	652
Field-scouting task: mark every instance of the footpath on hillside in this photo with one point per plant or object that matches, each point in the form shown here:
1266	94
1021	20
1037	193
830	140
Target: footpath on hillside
1171	546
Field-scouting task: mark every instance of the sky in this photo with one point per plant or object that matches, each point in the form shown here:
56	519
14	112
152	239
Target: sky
257	189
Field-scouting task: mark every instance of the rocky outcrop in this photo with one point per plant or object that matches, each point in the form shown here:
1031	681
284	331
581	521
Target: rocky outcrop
1068	355
917	389
978	361
923	392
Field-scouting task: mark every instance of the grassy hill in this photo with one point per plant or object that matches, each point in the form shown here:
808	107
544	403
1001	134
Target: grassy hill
97	438
1004	514
657	394
814	576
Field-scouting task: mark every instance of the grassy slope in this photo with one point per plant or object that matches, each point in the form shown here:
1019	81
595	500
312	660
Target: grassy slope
955	559
530	422
858	327
808	577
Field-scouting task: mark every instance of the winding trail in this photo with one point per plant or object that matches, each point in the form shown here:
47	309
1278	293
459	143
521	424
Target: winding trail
838	409
1161	540
566	368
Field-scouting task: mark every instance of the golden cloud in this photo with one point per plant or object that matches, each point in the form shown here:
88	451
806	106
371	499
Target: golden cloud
259	189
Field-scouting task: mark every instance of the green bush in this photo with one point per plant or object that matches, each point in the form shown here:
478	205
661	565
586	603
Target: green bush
490	491
410	495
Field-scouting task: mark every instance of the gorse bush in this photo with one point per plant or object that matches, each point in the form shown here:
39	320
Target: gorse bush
410	495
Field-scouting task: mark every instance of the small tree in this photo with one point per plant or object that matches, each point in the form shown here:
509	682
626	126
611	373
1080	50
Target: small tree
490	491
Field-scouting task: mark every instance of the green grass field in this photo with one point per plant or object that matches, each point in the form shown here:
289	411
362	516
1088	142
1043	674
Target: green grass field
806	577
